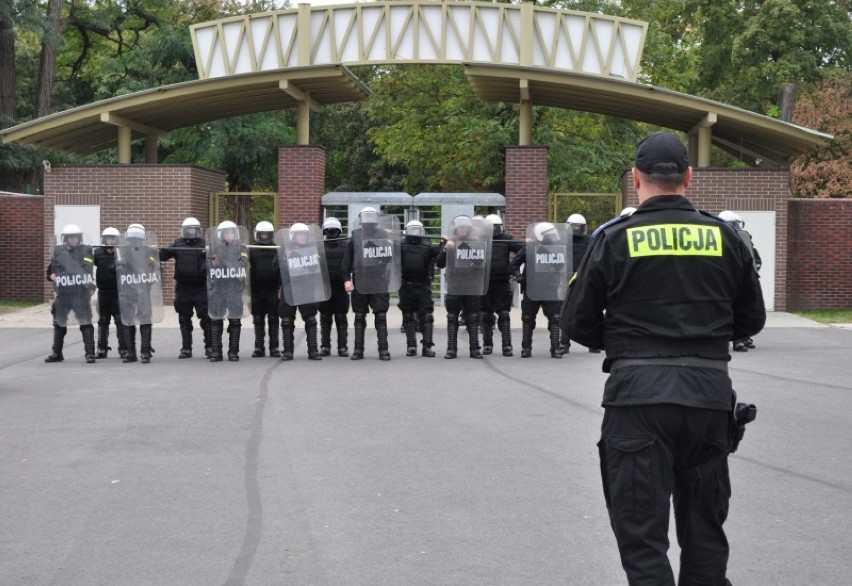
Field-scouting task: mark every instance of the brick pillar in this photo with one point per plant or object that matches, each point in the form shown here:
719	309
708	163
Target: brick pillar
301	184
526	187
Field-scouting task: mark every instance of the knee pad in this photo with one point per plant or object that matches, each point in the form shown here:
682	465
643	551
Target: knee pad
361	318
452	319
429	318
310	320
287	322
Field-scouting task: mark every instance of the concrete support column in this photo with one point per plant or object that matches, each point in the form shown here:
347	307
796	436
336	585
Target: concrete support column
705	135
125	134
301	184
525	123
526	187
303	122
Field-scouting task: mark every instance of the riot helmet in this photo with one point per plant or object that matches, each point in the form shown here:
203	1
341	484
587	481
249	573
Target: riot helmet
264	232
462	226
545	232
577	223
497	223
415	228
368	215
227	231
71	231
628	211
190	229
732	218
135	232
299	233
331	227
478	217
110	236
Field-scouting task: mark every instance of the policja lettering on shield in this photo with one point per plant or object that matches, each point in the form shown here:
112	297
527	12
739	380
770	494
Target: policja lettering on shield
137	279
228	273
470	253
74	280
378	251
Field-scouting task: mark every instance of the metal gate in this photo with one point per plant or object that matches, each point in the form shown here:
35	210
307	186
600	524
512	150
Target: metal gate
244	208
597	208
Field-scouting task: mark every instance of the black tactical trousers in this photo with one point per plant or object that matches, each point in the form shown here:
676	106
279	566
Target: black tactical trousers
649	454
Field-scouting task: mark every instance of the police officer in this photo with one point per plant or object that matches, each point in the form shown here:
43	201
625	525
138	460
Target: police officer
136	301
498	299
415	294
579	243
334	309
737	222
545	233
662	292
264	289
190	284
455	304
226	298
298	233
362	303
108	308
70	269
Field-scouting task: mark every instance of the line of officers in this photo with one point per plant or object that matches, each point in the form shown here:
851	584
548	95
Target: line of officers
221	278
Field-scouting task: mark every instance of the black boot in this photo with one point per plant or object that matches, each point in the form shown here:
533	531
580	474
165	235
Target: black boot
58	342
452	336
207	328
272	321
487	320
342	334
103	340
553	326
145	348
325	334
381	319
259	335
121	333
409	327
503	323
473	334
185	323
428	327
287	328
130	340
360	329
311	336
88	332
234	329
217	327
564	343
528	327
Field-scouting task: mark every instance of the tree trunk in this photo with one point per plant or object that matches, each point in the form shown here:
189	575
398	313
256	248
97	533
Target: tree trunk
787	101
47	61
8	89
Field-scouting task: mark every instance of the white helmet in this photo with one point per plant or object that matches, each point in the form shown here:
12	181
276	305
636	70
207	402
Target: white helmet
332	223
190	229
577	222
298	227
478	217
545	230
414	228
496	221
263	227
462	222
628	211
732	218
368	215
71	230
135	231
227	225
110	233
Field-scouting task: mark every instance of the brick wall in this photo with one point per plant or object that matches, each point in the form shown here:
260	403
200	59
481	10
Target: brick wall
755	189
21	241
819	254
526	187
301	184
156	196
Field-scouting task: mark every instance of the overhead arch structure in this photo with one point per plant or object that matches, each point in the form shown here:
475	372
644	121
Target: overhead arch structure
516	53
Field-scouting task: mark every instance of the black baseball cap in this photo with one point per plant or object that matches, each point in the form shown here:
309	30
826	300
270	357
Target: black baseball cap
661	154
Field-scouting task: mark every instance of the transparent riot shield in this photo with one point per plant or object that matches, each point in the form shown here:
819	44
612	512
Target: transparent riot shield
547	266
376	249
140	283
301	257
469	258
72	274
228	292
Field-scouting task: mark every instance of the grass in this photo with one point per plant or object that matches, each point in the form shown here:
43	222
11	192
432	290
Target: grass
9	306
828	316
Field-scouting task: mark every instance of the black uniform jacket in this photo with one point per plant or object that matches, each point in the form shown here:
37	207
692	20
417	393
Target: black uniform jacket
501	246
418	259
264	267
334	250
105	276
664	283
189	260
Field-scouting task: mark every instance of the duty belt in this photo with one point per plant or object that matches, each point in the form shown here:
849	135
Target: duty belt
687	361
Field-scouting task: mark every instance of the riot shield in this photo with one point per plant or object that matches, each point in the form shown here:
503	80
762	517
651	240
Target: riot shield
469	258
228	293
140	283
377	256
547	266
73	284
304	274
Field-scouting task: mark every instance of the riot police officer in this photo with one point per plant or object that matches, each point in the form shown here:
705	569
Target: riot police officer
108	308
737	222
498	299
579	243
190	283
139	276
335	308
227	263
70	270
545	235
369	288
418	257
264	289
662	291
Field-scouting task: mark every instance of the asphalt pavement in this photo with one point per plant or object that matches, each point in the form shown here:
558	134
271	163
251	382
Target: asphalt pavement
417	471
